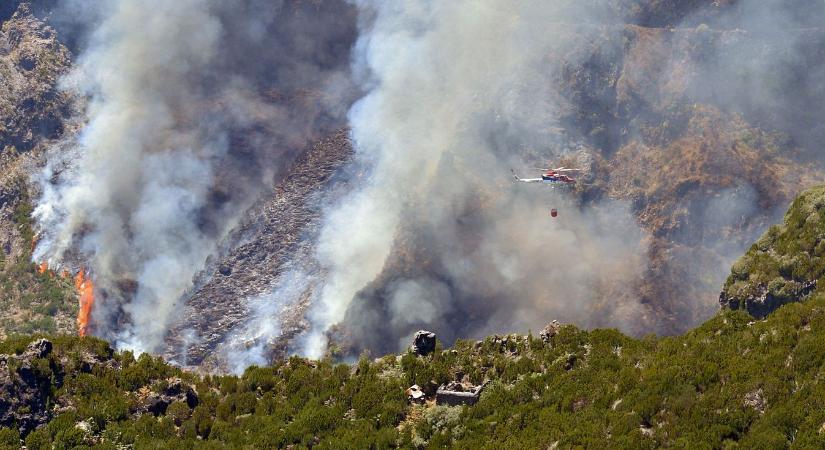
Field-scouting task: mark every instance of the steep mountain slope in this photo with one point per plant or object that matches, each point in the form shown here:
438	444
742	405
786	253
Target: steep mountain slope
662	119
706	172
276	232
34	114
658	109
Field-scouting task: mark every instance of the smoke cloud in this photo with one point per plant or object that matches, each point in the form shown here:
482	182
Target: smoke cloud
438	235
194	109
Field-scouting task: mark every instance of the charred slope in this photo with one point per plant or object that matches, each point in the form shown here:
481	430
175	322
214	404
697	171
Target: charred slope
275	232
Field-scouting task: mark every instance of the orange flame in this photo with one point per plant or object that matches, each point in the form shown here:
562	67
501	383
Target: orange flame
43	268
86	288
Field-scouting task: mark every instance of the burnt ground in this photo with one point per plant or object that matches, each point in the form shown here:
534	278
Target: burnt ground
272	234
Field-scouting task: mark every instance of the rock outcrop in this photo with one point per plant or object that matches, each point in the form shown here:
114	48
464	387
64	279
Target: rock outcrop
549	331
25	383
156	403
423	343
32	59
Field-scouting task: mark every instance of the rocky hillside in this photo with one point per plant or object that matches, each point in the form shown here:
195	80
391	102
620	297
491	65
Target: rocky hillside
706	173
786	264
34	115
733	382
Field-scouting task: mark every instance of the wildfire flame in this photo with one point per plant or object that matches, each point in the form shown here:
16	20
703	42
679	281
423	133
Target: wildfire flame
86	288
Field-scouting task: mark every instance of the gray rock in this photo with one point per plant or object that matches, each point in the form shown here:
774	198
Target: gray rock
549	331
40	348
423	343
416	395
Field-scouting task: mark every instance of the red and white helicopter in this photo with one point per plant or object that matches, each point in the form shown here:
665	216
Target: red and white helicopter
552	177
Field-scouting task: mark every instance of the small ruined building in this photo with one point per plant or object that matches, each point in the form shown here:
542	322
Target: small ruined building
455	394
416	395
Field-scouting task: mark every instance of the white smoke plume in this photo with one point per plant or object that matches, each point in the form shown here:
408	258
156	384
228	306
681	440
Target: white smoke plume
182	134
250	344
458	93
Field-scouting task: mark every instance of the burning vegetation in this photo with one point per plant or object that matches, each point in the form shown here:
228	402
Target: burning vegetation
86	291
85	288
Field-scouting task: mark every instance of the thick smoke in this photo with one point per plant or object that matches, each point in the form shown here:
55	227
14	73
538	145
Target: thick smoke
195	108
459	92
439	235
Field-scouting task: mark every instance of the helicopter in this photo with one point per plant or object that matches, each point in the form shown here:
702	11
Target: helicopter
552	177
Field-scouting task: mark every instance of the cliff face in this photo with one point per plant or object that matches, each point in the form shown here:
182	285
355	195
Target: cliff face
787	264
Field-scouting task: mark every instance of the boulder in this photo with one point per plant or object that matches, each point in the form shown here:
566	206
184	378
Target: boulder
176	390
40	348
549	331
423	343
157	405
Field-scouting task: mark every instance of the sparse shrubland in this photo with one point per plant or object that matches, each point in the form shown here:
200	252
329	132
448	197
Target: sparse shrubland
30	301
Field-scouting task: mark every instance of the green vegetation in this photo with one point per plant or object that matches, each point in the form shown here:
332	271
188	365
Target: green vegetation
787	260
32	302
731	383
